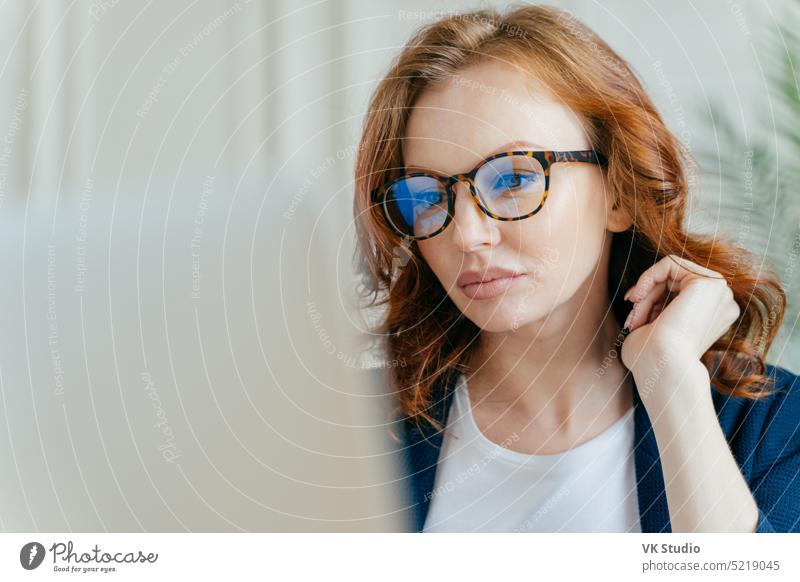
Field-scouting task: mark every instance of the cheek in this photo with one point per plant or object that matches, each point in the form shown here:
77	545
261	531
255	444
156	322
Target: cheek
562	248
573	221
441	261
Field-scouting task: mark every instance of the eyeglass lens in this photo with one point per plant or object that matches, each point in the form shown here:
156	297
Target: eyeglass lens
507	187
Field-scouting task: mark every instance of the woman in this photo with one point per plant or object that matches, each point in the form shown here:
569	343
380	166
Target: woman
560	357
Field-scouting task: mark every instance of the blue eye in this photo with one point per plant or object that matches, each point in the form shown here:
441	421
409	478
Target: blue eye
514	180
428	198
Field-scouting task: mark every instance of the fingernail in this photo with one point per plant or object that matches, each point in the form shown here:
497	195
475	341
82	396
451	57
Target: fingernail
628	320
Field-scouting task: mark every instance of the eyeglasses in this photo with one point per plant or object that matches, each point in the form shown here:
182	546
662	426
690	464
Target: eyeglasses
506	186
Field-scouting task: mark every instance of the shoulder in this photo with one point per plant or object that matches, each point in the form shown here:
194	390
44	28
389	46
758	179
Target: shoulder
783	406
765	430
787	387
784	400
782	415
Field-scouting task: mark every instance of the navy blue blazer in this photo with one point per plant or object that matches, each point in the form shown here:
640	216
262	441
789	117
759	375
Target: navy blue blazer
764	437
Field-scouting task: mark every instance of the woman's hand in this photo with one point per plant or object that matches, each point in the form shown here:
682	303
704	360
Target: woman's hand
705	489
677	330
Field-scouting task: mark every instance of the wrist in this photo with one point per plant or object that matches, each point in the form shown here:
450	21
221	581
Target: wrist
673	388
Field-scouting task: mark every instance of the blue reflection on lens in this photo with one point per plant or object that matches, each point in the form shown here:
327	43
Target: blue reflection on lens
415	196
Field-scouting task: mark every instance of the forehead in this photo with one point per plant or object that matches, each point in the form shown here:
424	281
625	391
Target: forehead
476	112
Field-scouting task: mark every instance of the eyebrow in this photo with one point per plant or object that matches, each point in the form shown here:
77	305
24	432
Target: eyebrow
509	147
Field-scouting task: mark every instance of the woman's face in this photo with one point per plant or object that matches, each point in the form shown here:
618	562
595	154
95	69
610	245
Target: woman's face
486	109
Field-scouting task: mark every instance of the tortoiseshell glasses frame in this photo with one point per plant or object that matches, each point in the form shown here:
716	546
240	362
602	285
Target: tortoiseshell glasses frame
545	159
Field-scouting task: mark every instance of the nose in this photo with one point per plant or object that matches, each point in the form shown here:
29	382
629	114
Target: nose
473	228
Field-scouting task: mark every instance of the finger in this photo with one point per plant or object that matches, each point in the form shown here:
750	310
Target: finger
656	311
645	285
663	273
641	309
659	307
672	270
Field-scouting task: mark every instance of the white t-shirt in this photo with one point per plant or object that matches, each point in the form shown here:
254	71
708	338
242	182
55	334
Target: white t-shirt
482	486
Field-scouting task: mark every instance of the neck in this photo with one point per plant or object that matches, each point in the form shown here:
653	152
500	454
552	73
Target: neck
562	368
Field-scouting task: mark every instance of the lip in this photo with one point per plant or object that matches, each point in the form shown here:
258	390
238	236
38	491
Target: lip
488	283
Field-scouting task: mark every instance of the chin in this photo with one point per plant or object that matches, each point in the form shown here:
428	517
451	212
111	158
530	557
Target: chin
505	315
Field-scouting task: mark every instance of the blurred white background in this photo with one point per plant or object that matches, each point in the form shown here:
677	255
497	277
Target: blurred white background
171	170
